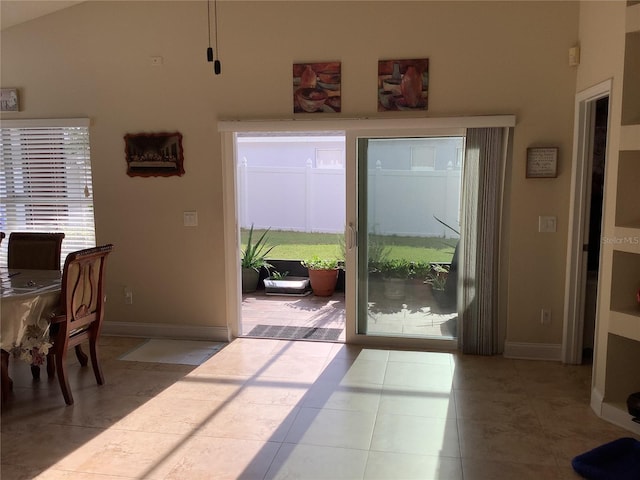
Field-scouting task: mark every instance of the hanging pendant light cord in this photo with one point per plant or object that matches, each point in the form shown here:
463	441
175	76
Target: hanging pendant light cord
216	65
209	49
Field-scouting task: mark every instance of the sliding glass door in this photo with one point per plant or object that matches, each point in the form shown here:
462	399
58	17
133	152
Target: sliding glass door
402	215
408	224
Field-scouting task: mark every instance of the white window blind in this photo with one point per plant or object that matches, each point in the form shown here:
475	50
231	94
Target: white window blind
45	181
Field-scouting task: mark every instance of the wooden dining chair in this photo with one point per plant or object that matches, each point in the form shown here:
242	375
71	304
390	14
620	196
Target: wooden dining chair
2	235
82	305
34	250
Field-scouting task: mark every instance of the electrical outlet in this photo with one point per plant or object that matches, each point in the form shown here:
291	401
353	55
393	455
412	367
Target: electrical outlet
128	295
156	61
545	317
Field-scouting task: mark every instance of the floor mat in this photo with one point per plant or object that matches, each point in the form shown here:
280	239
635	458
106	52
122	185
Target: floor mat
184	352
295	333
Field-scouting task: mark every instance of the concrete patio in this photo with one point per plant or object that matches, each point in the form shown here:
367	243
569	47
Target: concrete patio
412	316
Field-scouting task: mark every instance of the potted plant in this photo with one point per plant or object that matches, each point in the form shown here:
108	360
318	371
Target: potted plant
253	259
419	272
323	274
395	273
437	279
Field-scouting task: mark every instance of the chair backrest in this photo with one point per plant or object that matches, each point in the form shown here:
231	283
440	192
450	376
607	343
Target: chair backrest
34	251
1	236
83	290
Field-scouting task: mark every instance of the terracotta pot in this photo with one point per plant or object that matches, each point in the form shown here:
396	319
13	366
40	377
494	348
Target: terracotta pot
323	282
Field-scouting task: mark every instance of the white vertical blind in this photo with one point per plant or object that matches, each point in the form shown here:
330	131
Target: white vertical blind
45	181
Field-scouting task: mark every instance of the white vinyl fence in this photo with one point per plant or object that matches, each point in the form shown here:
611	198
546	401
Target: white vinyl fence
401	202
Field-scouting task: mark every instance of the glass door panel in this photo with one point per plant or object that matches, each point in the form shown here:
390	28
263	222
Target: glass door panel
408	229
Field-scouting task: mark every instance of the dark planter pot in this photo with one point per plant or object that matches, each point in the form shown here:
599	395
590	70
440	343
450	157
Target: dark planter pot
249	280
323	282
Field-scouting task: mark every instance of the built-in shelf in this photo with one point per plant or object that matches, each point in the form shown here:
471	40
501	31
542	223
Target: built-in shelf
630	83
628	193
626	324
633	18
623	371
626	238
625	282
630	137
621	335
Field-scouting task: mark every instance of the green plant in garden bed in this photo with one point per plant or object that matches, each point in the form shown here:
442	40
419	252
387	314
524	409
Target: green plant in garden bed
278	275
420	270
395	268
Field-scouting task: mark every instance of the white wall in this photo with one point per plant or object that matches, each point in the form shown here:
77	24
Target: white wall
93	60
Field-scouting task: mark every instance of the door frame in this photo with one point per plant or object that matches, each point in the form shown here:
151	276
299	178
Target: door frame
353	128
576	270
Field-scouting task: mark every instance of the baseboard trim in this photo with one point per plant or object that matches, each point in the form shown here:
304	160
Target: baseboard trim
618	415
596	401
164	330
533	351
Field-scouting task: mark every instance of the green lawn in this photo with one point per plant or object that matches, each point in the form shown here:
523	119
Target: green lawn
301	245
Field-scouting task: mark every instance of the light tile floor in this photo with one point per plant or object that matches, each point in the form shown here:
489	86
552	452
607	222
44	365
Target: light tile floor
272	409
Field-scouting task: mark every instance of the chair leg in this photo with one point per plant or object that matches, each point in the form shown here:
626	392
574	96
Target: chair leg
82	357
62	376
93	350
51	364
7	383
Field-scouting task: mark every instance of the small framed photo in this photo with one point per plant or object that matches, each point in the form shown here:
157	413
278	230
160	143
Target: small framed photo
9	100
542	162
154	154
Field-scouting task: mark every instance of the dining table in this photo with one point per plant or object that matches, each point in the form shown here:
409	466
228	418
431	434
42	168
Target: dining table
28	299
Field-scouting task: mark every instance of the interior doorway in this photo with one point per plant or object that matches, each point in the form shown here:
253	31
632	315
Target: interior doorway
598	159
585	224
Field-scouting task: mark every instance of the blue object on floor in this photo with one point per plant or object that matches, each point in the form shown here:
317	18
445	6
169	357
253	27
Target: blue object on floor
617	460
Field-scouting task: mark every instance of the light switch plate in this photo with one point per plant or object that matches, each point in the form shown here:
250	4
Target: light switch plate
547	224
191	219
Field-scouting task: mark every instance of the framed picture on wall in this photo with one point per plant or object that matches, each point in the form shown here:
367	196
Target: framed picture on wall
316	87
403	84
154	154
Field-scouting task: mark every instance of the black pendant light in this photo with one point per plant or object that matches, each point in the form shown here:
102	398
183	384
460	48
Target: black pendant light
210	57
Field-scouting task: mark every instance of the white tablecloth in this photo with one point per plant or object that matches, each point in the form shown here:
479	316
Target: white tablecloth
27	297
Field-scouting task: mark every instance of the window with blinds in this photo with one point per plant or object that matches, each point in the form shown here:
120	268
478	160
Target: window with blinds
45	181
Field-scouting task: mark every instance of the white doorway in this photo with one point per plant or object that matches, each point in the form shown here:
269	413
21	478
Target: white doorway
583	264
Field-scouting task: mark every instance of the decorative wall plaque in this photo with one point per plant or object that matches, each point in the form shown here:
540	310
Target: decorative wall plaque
542	162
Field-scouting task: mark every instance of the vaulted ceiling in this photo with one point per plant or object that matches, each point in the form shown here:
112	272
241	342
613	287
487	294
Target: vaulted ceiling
14	12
